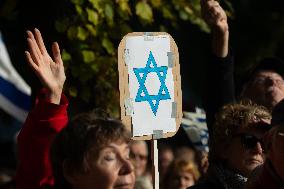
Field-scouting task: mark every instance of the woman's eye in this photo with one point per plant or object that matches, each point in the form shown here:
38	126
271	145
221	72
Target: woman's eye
109	157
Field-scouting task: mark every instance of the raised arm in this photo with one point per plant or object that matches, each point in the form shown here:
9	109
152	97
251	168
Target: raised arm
216	18
220	88
48	117
49	70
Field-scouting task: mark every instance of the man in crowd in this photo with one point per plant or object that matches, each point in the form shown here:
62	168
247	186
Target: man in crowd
271	174
264	85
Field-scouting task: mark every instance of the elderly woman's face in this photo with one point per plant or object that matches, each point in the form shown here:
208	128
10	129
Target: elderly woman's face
245	151
111	169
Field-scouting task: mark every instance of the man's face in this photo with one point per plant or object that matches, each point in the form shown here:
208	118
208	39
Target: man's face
245	151
110	169
265	88
139	155
276	149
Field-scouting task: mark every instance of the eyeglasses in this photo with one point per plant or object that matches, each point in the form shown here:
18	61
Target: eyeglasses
249	141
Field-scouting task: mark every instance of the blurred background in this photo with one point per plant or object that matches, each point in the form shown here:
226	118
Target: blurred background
89	31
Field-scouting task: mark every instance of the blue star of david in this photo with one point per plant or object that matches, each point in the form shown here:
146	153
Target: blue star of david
142	93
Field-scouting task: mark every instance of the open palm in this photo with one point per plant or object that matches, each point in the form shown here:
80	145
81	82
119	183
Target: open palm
50	71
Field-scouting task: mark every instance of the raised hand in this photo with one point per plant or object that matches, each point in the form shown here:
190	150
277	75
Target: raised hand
214	15
49	70
216	18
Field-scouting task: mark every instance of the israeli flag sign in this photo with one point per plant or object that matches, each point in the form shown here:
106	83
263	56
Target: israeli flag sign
150	84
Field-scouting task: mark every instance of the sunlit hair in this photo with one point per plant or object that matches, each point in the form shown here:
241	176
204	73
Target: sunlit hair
186	166
84	134
232	118
181	165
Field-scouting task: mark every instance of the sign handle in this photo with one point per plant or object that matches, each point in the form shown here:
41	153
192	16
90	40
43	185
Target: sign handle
154	157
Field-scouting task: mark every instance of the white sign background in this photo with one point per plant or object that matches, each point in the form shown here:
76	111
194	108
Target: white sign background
143	119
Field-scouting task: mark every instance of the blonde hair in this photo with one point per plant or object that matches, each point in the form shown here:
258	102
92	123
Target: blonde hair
181	164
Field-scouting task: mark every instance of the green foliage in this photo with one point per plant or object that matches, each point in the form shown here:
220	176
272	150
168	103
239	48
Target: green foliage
93	30
97	26
144	11
88	56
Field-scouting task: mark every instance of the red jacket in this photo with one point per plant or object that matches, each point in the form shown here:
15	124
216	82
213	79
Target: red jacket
34	141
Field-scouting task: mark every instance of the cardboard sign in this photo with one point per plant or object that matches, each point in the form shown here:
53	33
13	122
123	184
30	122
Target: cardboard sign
150	85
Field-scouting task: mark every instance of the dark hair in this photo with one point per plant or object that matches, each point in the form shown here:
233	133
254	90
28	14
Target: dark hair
84	133
269	63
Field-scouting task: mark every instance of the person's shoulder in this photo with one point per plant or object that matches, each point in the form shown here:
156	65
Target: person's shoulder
253	180
200	186
205	185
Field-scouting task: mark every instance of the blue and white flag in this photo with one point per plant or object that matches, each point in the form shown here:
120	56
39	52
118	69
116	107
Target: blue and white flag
194	124
15	94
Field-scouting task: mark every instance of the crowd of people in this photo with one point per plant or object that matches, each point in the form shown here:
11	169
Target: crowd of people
92	150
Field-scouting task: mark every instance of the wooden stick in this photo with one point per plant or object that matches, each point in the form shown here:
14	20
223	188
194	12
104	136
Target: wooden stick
154	157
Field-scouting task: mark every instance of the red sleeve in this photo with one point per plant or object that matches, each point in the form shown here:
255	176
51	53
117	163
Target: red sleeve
34	141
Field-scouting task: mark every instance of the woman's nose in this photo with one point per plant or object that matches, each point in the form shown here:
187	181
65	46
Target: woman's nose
258	148
127	167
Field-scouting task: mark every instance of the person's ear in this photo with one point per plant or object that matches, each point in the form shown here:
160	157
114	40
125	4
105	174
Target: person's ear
69	173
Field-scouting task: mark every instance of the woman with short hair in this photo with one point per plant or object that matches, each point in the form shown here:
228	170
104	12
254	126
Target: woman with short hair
236	145
89	152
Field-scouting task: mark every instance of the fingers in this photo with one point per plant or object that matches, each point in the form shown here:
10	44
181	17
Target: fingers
205	3
37	52
30	61
33	52
34	44
212	12
217	15
40	42
56	53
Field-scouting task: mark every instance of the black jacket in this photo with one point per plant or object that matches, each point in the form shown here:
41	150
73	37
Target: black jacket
220	87
207	185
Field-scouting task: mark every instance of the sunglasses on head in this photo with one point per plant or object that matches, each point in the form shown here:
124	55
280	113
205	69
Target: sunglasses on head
249	141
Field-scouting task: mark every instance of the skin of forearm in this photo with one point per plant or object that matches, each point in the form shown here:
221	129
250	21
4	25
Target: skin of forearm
220	43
